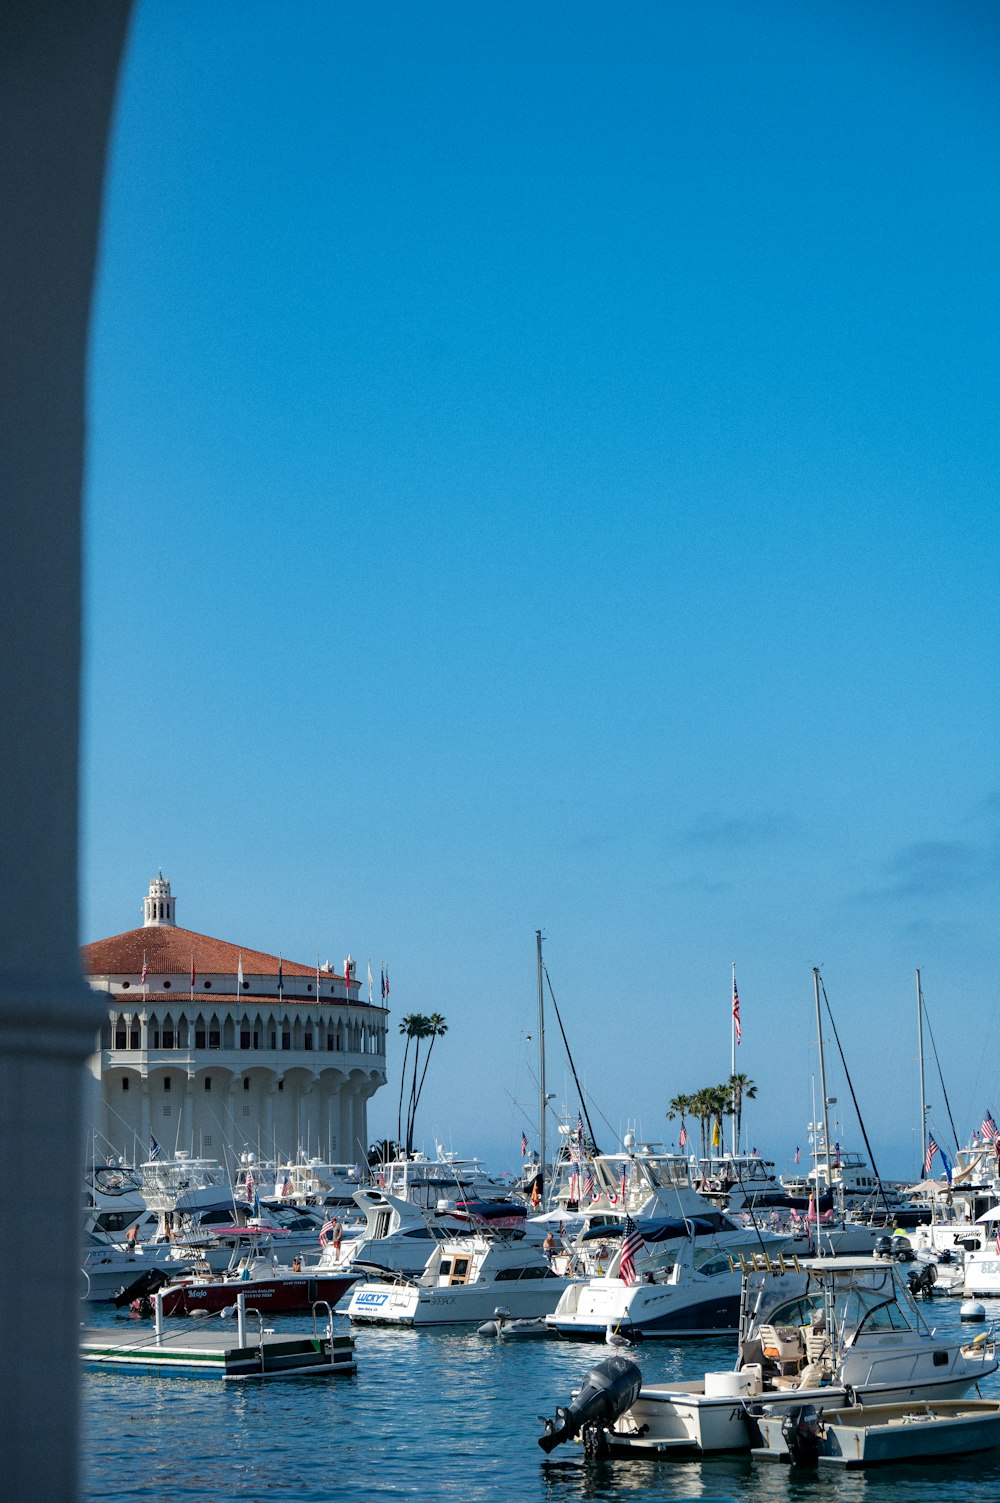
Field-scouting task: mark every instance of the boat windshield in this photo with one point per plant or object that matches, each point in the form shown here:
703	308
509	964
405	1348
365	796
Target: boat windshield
872	1304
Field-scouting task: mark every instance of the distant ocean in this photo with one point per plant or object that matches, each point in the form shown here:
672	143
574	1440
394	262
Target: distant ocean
438	1415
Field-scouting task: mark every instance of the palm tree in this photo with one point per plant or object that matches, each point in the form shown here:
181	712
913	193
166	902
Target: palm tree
409	1026
421	1030
740	1088
718	1104
680	1106
436	1027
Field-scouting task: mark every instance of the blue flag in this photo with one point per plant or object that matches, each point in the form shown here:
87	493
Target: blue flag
945	1164
154	1148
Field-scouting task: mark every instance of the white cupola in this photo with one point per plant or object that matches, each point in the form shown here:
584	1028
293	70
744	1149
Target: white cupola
158	908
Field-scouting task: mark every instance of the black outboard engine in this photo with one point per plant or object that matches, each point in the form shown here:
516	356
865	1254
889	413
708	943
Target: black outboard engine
800	1432
146	1284
608	1390
883	1247
902	1251
922	1280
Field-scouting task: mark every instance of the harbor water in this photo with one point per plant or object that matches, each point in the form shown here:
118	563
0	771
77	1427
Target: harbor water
442	1416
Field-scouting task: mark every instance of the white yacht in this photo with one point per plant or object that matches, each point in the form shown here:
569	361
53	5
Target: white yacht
466	1280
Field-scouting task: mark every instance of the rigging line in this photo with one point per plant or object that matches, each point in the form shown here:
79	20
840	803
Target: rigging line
861	1124
579	1088
944	1088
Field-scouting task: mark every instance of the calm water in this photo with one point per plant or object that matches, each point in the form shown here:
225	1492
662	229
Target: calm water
440	1416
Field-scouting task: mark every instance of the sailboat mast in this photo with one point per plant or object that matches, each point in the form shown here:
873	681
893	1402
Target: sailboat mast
732	1072
826	1113
920	1056
541	1065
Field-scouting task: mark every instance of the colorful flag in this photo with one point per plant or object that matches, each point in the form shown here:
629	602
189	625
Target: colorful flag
387	983
946	1164
588	1181
249	1186
798	1154
932	1149
524	1145
579	1127
287	1188
682	1136
736	1010
145	970
325	1230
382	979
154	1148
632	1244
624	1181
989	1128
716	1139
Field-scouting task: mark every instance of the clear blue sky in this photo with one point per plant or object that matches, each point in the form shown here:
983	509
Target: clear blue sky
543	473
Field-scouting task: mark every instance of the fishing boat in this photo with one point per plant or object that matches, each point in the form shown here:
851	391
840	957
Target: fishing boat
255	1271
878	1434
809	1333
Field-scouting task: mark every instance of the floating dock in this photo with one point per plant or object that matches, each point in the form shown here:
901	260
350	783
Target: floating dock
191	1350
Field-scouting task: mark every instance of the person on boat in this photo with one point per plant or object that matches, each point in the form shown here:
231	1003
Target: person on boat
296	1265
131	1237
336	1232
549	1246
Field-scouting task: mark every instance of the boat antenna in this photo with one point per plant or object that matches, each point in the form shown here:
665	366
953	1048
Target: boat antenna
920	1058
850	1087
576	1078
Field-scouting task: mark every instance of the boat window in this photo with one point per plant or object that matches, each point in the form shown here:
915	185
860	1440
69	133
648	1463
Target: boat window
445	1268
505	1275
533	1272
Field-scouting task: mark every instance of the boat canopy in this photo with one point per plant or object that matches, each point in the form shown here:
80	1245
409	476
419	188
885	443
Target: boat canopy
655	1231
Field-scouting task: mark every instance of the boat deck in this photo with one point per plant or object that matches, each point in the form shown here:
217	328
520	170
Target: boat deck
202	1353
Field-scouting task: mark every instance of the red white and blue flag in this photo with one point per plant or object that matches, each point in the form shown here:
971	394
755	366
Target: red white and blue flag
145	970
989	1128
632	1245
682	1136
736	1011
932	1149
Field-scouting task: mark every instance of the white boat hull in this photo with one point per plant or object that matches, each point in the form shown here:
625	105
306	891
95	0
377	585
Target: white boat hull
874	1435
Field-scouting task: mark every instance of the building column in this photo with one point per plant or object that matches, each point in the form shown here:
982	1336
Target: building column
58	72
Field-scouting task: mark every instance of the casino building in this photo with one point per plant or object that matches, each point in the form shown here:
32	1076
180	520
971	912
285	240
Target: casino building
218	1049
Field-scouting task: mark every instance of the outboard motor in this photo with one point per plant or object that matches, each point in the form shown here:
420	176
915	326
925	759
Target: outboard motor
883	1247
147	1283
608	1390
922	1280
800	1432
902	1251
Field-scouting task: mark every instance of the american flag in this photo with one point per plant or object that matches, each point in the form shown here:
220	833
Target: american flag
682	1136
249	1186
145	970
325	1230
588	1181
736	1011
632	1243
798	1154
989	1128
524	1146
932	1149
288	1188
624	1181
579	1127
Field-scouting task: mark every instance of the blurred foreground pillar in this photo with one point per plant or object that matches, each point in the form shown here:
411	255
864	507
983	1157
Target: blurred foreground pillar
59	64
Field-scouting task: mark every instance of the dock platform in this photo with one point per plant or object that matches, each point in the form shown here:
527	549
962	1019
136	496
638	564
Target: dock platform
201	1353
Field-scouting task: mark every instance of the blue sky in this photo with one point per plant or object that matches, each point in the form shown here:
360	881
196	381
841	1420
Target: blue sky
543	473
